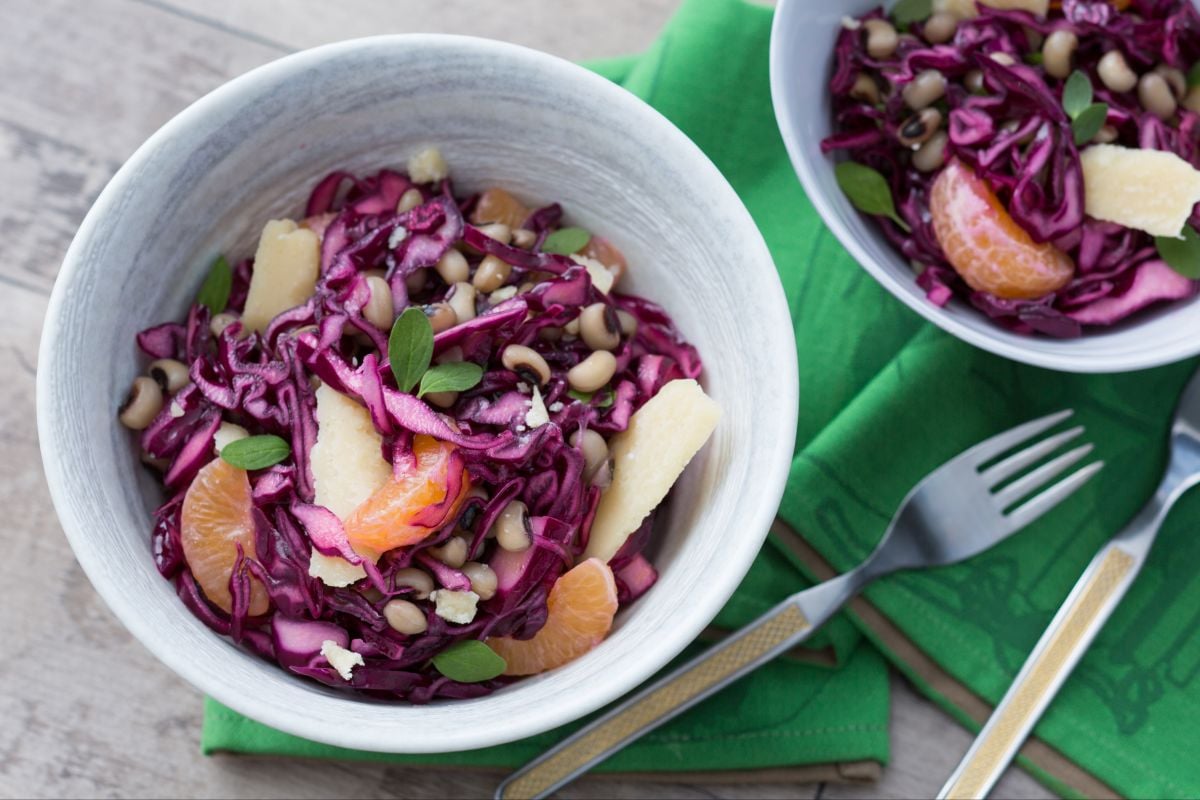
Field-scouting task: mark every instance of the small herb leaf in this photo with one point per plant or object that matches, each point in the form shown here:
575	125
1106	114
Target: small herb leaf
214	292
1089	122
868	190
1077	94
256	452
1034	58
566	241
469	661
410	348
457	376
606	399
1193	76
906	12
1182	255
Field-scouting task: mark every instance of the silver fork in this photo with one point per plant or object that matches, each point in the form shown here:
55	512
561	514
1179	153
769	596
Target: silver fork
955	512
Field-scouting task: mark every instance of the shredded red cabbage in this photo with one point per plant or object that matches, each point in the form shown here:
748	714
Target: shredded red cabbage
1015	134
265	381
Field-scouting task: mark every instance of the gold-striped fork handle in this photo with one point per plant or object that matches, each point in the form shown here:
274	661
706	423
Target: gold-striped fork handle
1072	630
719	666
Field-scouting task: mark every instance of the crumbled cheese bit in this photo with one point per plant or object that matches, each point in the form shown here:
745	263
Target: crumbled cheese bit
556	407
671	428
851	24
341	659
502	294
1150	190
346	461
522	387
397	236
226	433
428	166
456	607
536	416
176	411
602	277
334	571
286	265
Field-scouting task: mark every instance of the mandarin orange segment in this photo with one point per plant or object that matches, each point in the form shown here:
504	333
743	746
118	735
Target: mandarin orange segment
497	205
216	519
581	605
386	519
603	251
986	246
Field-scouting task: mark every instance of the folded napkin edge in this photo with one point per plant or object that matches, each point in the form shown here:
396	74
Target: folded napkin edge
965	706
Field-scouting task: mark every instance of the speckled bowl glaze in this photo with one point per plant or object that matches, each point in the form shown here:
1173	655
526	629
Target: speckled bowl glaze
501	114
802	40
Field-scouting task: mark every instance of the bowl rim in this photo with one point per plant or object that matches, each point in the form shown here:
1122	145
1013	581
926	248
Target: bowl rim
997	341
55	452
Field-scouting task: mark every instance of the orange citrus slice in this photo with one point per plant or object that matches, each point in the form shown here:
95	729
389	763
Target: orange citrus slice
497	205
397	514
581	609
216	519
986	246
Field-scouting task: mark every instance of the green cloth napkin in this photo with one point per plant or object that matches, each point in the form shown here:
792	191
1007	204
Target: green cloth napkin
885	398
790	713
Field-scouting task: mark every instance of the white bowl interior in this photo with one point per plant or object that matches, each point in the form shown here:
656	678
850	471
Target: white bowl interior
546	129
801	62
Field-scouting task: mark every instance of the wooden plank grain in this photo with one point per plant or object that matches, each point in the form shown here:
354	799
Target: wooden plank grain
572	29
926	746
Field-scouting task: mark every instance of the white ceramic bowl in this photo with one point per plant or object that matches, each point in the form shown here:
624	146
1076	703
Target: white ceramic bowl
501	114
802	40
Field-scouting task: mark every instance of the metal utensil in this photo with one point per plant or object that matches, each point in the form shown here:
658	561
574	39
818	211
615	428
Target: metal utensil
952	514
1082	615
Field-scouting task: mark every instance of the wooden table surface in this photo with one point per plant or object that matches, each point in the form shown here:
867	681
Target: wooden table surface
85	710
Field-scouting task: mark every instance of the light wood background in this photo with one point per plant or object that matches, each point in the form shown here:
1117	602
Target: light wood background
84	710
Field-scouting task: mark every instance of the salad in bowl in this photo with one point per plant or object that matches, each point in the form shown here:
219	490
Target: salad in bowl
1038	160
413	446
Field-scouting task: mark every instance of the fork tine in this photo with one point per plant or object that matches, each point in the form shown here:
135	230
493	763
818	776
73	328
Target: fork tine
989	448
1018	461
1048	499
1039	477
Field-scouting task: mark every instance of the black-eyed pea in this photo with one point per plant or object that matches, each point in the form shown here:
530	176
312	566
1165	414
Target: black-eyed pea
527	363
142	405
169	374
593	372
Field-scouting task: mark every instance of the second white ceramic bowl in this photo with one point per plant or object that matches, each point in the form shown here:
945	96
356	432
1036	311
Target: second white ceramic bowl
544	128
802	40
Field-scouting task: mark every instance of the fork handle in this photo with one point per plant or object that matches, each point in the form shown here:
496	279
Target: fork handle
1072	630
771	634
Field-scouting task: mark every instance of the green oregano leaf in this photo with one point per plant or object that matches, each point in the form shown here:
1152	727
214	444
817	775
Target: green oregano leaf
566	241
1181	255
469	661
1089	122
606	399
410	348
1193	76
457	376
906	12
214	292
1077	94
868	190
256	452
